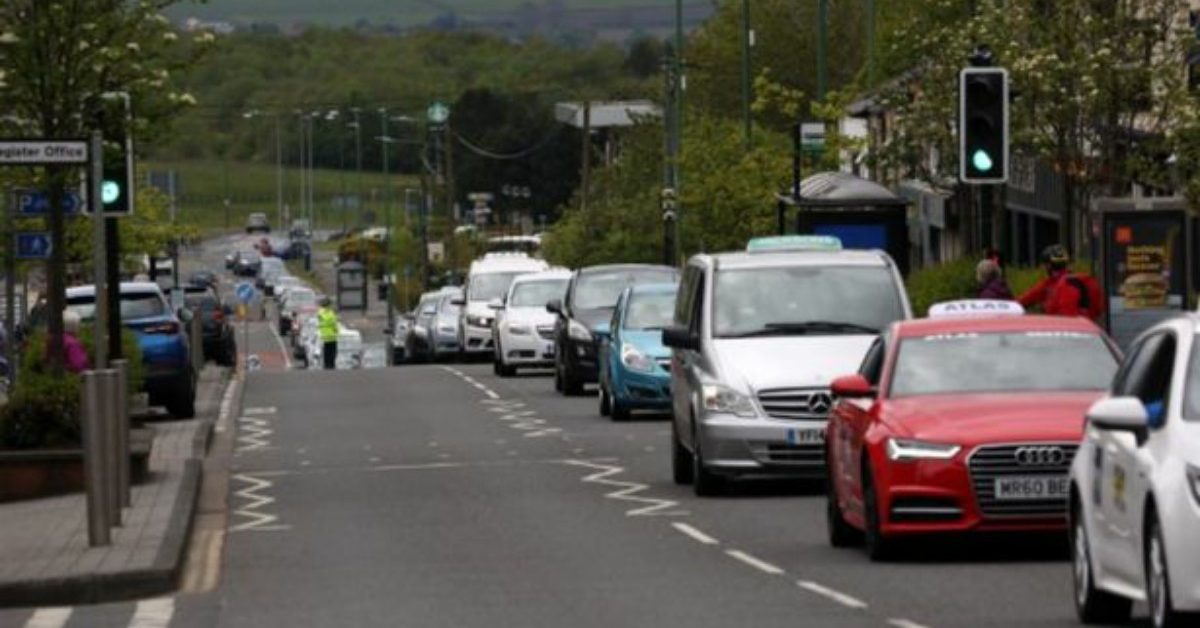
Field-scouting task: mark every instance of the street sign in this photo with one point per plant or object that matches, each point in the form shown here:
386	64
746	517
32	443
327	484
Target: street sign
34	203
245	292
438	113
812	136
35	152
34	245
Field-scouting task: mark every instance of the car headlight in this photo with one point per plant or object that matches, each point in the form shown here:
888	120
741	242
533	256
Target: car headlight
577	331
518	329
635	360
718	398
1193	474
902	450
479	321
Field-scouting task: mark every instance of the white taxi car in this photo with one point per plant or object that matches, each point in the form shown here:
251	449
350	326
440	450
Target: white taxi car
1135	485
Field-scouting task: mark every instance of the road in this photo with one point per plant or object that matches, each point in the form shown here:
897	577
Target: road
441	495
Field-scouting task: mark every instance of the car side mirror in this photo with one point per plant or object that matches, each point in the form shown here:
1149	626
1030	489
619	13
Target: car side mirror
496	304
852	387
554	306
1121	414
459	301
680	338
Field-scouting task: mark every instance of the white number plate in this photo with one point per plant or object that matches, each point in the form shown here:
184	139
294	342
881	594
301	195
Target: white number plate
1031	487
805	437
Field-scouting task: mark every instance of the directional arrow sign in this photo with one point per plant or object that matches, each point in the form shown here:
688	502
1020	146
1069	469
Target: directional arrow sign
33	245
245	292
38	203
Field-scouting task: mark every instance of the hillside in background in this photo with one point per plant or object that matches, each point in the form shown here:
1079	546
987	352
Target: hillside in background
608	20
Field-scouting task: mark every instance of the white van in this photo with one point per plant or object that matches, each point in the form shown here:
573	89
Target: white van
488	280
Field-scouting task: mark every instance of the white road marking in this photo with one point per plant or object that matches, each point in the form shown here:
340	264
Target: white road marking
373	459
55	617
694	533
254	434
905	623
418	467
305	463
491	394
256	521
626	491
833	594
258	411
155	613
287	355
226	412
756	563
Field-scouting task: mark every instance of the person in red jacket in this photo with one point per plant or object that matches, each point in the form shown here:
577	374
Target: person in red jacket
1061	292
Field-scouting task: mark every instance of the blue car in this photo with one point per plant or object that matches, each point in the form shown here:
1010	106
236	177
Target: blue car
635	366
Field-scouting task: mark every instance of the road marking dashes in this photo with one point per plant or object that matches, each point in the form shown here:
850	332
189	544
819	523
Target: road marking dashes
155	613
256	520
627	491
55	617
905	623
694	533
832	594
756	563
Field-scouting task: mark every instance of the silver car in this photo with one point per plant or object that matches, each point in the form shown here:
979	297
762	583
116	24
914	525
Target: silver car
434	334
757	338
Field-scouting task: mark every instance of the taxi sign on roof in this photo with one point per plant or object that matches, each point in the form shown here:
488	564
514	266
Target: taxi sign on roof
976	307
795	243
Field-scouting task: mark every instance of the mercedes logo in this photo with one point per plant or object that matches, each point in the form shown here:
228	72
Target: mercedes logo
820	403
1040	456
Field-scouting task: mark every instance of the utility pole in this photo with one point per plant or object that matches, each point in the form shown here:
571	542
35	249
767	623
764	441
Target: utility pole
312	175
358	161
387	241
680	85
278	171
822	48
586	157
303	170
747	44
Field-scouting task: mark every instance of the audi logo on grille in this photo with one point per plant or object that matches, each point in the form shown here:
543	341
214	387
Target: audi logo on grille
1040	456
820	403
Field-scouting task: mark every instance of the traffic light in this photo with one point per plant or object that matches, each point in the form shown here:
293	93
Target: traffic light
116	188
983	125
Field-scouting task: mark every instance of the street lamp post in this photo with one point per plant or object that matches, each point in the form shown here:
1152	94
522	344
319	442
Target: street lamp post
252	114
358	161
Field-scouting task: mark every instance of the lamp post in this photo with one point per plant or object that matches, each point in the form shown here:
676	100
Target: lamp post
253	114
358	160
384	140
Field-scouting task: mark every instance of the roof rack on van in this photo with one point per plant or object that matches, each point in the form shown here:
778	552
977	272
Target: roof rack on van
794	243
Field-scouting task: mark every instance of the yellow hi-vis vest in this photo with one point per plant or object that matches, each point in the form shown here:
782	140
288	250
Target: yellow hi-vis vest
327	325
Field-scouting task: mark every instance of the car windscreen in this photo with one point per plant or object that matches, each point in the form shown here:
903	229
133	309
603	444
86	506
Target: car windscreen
133	306
650	311
537	293
1002	362
447	306
300	297
804	300
602	289
202	300
489	286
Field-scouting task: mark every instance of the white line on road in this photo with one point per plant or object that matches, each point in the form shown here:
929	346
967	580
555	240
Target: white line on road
226	412
256	520
694	533
55	617
905	623
833	594
154	613
627	491
287	355
258	411
756	563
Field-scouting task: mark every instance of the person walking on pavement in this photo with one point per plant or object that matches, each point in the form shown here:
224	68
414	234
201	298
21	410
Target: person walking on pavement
991	281
327	327
1062	292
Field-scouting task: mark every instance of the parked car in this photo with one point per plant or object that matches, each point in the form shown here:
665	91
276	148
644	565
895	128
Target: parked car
523	334
583	317
758	336
435	331
258	223
219	339
166	352
349	350
299	302
397	337
1135	486
248	264
489	279
966	421
203	278
270	270
635	366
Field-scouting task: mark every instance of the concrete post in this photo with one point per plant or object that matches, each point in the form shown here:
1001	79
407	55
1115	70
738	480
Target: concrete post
110	443
123	470
93	459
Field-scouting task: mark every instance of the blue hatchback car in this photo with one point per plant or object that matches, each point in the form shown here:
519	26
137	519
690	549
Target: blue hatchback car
635	366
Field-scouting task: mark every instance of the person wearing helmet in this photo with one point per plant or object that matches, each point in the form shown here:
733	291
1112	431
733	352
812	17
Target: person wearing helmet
1062	292
327	328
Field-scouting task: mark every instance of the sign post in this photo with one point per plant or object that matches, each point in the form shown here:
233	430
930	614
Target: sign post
245	294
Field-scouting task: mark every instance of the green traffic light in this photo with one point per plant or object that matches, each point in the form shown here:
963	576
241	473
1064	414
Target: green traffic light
110	191
982	161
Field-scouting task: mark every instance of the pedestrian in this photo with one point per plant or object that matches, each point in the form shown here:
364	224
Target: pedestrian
992	284
1062	292
327	327
75	357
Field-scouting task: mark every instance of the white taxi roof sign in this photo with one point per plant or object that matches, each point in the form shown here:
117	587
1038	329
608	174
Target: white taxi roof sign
976	307
794	243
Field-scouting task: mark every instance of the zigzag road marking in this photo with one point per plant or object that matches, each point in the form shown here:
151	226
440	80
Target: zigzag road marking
627	491
255	520
253	434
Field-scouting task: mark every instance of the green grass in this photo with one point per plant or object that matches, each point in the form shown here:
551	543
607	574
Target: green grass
203	185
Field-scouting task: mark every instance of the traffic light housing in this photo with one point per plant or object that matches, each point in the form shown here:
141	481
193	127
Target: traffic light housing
116	188
983	125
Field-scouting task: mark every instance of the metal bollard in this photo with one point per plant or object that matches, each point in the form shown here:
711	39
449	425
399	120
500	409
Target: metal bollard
93	459
123	471
111	444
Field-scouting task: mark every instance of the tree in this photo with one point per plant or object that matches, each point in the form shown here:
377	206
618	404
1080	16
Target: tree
58	60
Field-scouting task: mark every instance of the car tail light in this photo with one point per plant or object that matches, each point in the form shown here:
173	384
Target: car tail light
162	328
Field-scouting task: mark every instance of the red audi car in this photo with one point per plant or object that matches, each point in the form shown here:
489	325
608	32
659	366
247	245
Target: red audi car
964	421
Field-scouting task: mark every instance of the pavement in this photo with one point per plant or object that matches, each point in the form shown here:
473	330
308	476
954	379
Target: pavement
47	559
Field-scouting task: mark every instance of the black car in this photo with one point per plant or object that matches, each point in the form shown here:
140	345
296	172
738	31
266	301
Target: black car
584	314
220	344
203	278
248	264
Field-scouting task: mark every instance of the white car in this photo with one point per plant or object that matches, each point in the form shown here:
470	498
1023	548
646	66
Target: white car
1135	485
349	350
523	334
489	279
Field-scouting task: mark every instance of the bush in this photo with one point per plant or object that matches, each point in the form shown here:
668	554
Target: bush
42	412
956	280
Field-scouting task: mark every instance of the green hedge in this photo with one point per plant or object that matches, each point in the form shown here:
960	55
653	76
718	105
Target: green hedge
956	280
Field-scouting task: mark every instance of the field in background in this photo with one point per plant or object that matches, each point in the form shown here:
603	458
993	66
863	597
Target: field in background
202	186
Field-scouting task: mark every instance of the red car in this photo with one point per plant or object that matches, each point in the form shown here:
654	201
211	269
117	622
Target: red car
962	423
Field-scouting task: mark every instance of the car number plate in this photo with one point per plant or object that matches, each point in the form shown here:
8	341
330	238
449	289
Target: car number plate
805	437
548	350
1031	487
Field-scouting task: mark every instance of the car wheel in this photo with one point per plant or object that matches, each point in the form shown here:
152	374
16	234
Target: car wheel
182	402
571	386
1092	605
681	458
605	404
620	411
879	548
496	366
1158	583
705	483
841	534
